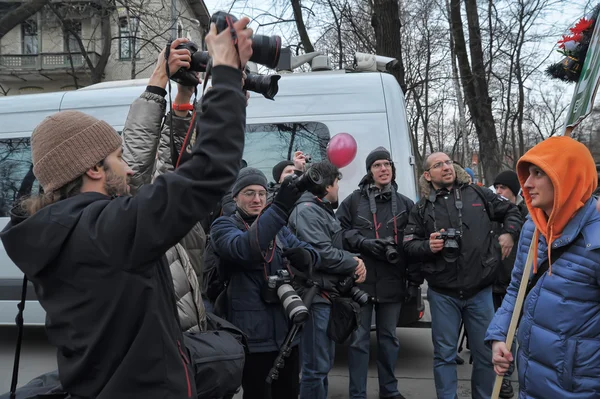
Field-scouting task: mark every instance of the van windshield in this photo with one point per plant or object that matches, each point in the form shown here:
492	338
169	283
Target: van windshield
269	143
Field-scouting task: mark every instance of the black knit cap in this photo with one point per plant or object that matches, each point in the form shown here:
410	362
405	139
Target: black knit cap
248	177
278	169
509	179
377	154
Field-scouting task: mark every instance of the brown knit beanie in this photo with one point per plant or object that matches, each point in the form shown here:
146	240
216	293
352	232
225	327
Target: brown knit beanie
65	145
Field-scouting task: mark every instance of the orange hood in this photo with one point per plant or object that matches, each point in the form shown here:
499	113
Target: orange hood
571	168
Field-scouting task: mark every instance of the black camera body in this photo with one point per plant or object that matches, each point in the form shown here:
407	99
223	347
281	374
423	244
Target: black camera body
391	250
451	249
278	289
265	51
308	180
347	287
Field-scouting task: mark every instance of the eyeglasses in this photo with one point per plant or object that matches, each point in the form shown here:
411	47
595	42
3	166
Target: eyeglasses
379	165
251	194
441	164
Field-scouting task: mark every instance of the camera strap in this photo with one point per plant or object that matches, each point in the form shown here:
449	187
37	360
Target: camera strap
19	321
174	155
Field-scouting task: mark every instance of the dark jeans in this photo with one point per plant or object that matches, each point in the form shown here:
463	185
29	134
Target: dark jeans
257	368
498	298
318	352
446	315
388	347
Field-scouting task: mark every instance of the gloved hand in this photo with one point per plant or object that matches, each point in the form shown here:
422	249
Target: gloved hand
287	195
412	292
300	258
374	247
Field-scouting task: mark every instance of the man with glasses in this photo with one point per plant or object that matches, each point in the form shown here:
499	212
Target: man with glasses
373	218
252	245
450	232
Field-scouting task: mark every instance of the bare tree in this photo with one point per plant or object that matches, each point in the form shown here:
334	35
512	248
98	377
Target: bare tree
20	14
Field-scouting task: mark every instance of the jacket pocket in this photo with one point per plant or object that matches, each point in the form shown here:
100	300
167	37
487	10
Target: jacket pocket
253	318
566	377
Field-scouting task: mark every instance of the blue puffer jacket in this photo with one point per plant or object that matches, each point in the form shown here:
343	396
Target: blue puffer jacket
559	334
242	255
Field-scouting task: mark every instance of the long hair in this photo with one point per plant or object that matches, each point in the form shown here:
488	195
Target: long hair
32	204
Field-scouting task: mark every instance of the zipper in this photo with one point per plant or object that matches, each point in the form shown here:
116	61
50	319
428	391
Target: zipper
185	361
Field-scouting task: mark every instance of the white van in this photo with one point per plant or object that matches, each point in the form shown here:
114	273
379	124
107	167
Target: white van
309	109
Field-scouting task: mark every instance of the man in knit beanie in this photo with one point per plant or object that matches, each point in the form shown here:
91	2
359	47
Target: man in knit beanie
253	245
96	257
507	185
378	202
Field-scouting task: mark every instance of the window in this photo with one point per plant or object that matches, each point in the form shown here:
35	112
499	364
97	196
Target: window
267	144
30	36
71	43
16	172
128	30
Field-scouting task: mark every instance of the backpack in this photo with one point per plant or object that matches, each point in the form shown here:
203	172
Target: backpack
214	279
217	356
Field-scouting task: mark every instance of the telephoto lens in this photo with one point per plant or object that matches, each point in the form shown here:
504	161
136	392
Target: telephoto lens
262	84
292	304
309	179
359	296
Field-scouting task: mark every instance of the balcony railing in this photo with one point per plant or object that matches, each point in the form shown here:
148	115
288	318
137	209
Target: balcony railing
44	61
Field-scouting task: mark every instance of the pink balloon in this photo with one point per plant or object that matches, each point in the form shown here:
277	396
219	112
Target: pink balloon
341	149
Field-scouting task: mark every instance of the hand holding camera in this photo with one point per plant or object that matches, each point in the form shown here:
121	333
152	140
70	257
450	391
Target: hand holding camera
221	45
436	243
288	194
360	271
178	58
373	247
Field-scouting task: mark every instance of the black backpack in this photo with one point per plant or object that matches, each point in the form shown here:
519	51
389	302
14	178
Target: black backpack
214	279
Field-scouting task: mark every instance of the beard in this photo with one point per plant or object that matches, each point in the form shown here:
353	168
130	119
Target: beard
115	185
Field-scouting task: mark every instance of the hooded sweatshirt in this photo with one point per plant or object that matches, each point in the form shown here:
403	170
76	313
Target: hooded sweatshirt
574	177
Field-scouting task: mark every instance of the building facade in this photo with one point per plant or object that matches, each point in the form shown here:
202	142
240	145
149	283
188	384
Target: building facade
72	44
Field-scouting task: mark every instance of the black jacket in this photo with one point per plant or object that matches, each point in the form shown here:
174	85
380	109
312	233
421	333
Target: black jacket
504	274
480	254
99	270
385	282
314	222
242	254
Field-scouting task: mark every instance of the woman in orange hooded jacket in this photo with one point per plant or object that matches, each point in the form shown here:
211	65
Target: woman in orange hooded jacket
559	332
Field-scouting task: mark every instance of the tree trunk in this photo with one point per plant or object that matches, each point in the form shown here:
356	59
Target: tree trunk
475	85
19	15
386	23
304	38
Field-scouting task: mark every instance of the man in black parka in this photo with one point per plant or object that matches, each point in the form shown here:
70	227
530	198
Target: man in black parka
370	215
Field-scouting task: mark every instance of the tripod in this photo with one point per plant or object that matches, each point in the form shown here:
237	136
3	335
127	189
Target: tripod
286	348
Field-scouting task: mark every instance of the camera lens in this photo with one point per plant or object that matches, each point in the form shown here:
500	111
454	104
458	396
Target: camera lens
200	60
308	180
391	254
359	296
292	304
262	84
451	250
266	50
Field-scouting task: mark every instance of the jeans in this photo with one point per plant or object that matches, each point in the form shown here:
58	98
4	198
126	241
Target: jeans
446	315
388	346
318	353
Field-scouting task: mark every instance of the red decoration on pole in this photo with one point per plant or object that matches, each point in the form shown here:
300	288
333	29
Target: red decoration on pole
341	149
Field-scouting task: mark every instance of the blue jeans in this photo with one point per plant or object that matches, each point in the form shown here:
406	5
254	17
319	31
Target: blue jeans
388	346
446	314
318	353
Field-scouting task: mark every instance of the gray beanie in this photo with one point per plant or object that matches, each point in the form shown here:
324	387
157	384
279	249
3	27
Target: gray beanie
248	177
65	145
377	154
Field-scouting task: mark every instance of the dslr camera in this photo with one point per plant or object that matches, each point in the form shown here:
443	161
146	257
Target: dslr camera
451	249
391	250
308	180
347	287
279	290
265	51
